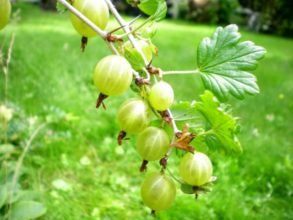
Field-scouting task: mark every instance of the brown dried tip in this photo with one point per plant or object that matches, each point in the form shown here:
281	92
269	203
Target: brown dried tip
166	116
143	166
195	190
153	213
164	162
121	136
100	101
141	81
84	41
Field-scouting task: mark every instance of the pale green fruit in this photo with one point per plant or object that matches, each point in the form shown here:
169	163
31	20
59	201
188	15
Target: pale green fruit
196	169
133	115
95	10
113	75
161	96
152	144
158	191
5	11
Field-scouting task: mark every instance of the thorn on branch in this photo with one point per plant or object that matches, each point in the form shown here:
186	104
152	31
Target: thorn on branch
100	101
121	137
84	41
113	38
143	166
141	81
153	70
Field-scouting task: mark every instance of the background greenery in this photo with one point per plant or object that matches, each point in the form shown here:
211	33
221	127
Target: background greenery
50	74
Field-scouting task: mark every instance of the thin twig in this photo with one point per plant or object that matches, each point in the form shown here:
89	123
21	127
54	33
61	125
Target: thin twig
174	72
125	27
6	68
21	158
136	28
99	31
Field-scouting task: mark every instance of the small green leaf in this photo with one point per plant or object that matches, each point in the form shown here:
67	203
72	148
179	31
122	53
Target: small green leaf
14	192
155	8
60	8
186	112
134	57
224	63
133	2
187	189
26	210
3	195
223	126
27	195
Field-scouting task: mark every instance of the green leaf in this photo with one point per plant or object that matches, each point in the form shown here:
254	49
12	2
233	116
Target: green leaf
223	126
133	2
26	210
134	57
60	7
3	195
224	63
14	191
186	113
187	189
155	8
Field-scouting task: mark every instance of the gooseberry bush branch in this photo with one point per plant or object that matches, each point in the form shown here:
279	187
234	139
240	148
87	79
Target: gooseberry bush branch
224	65
104	34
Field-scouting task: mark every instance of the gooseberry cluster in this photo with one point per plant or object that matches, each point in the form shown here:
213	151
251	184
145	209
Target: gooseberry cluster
113	76
130	66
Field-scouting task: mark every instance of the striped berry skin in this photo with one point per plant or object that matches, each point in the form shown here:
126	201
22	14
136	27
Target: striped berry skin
5	11
158	191
152	144
95	10
133	116
161	96
195	169
113	75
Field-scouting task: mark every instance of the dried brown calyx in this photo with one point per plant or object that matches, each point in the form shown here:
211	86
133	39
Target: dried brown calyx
183	140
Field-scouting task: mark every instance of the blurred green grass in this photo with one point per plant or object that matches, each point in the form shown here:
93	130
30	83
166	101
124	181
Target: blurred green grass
48	70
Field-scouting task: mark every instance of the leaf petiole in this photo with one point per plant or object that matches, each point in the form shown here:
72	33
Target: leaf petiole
180	72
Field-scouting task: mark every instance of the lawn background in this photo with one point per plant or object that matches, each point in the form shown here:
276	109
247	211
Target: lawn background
48	71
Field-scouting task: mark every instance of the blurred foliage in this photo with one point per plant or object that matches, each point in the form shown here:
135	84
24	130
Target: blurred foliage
276	15
272	16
